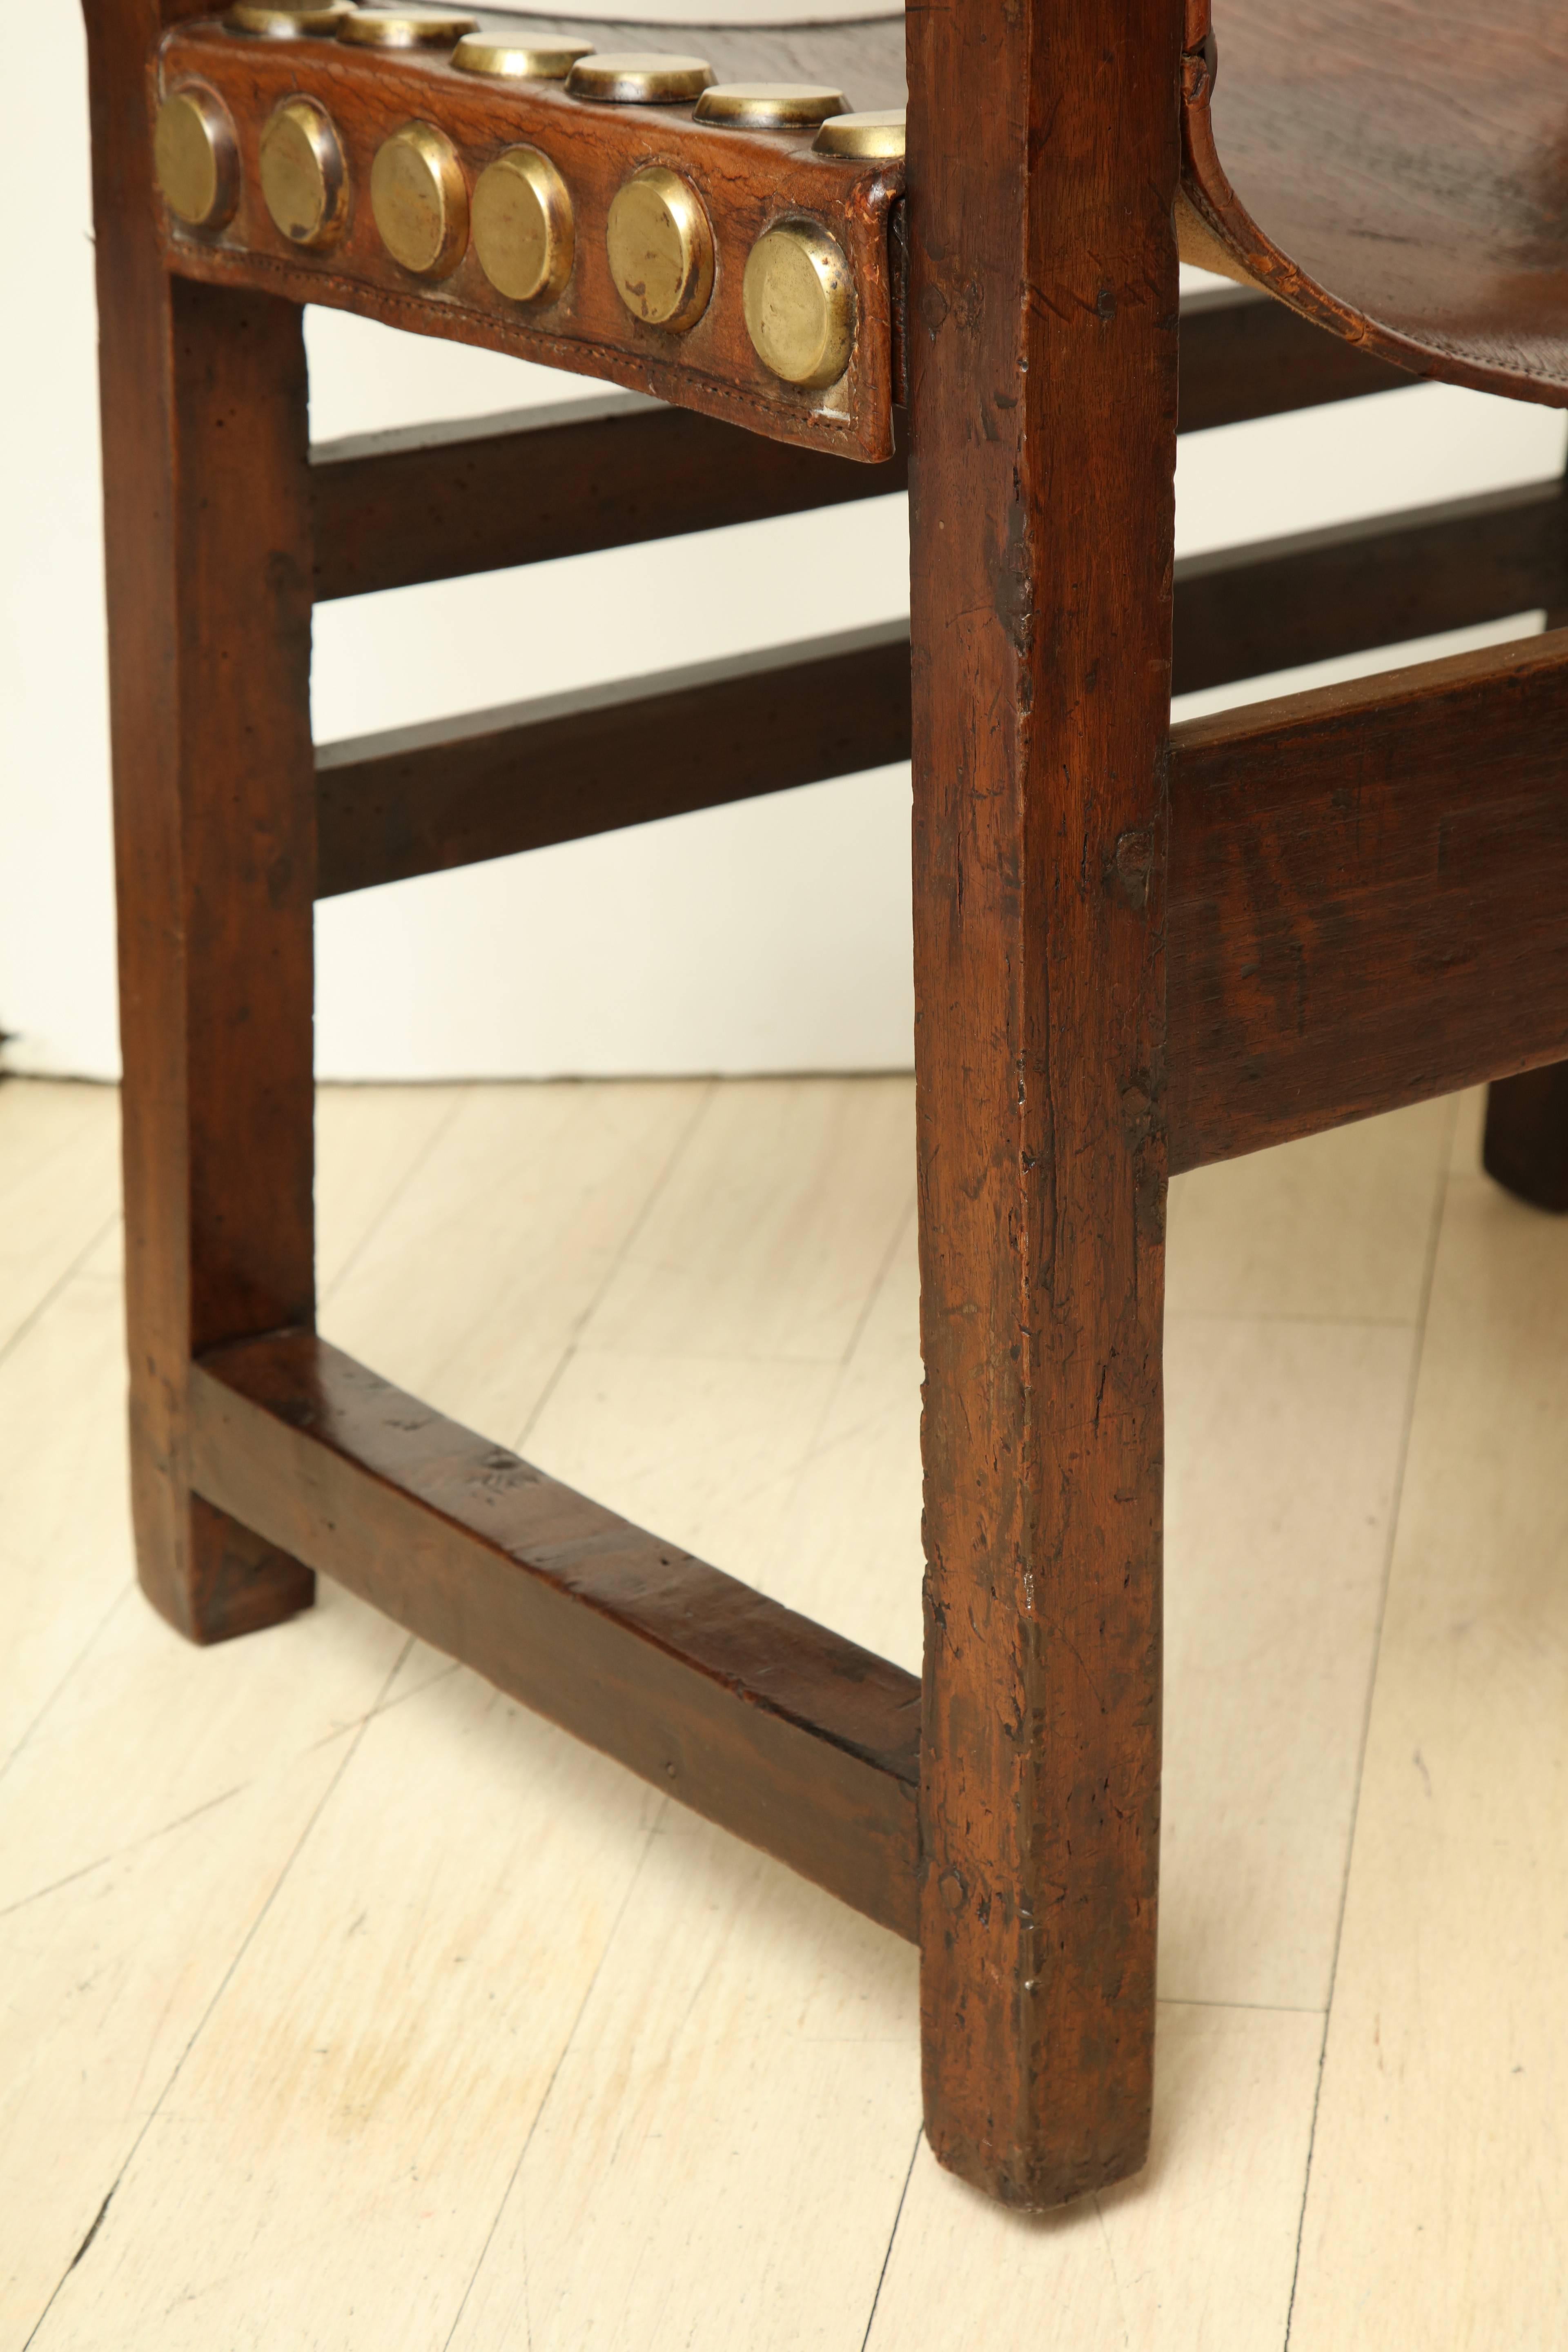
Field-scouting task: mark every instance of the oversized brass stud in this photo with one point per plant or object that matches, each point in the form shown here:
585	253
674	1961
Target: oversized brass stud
799	300
864	136
304	178
639	78
197	158
313	22
522	225
487	53
661	248
420	200
769	105
403	28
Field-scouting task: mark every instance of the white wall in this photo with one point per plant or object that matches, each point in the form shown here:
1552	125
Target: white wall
773	935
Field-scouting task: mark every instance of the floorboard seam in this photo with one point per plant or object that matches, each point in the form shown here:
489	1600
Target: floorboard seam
892	2235
655	1193
35	1314
1435	1236
125	1593
118	1853
225	1980
442	1128
516	2174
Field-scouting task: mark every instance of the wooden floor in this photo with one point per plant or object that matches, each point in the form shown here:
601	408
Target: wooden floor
344	2005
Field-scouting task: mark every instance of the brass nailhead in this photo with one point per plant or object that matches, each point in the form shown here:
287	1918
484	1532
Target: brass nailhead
195	157
799	300
875	136
660	248
420	200
639	78
487	53
282	23
769	105
523	231
304	178
403	28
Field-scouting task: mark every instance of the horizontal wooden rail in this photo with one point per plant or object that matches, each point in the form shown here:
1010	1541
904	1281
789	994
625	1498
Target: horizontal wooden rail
1367	896
1279	603
796	1739
418	799
436	501
422	798
441	500
1245	356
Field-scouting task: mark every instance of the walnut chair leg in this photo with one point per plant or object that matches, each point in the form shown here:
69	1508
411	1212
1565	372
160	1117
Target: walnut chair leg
207	532
1043	355
1525	1147
210	607
1526	1144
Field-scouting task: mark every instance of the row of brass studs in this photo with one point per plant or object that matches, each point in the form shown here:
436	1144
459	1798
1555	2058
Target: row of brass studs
655	78
797	291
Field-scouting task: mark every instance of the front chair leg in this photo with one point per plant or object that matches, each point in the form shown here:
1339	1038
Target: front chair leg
1043	308
209	558
215	838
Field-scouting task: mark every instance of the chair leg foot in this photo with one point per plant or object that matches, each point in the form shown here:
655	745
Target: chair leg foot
210	1577
1526	1145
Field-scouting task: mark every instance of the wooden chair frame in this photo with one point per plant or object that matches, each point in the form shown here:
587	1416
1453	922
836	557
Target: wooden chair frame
1137	948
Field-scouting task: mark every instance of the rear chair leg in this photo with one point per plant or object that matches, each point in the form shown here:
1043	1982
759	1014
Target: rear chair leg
208	555
1526	1145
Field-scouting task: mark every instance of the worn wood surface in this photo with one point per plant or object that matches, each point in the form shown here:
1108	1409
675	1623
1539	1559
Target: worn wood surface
1043	370
795	1738
1345	928
453	790
488	1865
1366	895
207	529
1242	612
1396	174
419	799
744	179
434	501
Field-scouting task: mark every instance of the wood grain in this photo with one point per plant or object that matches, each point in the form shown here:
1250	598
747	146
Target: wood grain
435	501
1244	611
493	782
1398	174
1043	369
453	790
460	1818
1366	896
208	534
1233	2124
791	1737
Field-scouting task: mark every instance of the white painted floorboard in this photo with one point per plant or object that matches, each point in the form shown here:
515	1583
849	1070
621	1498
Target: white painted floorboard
345	2005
